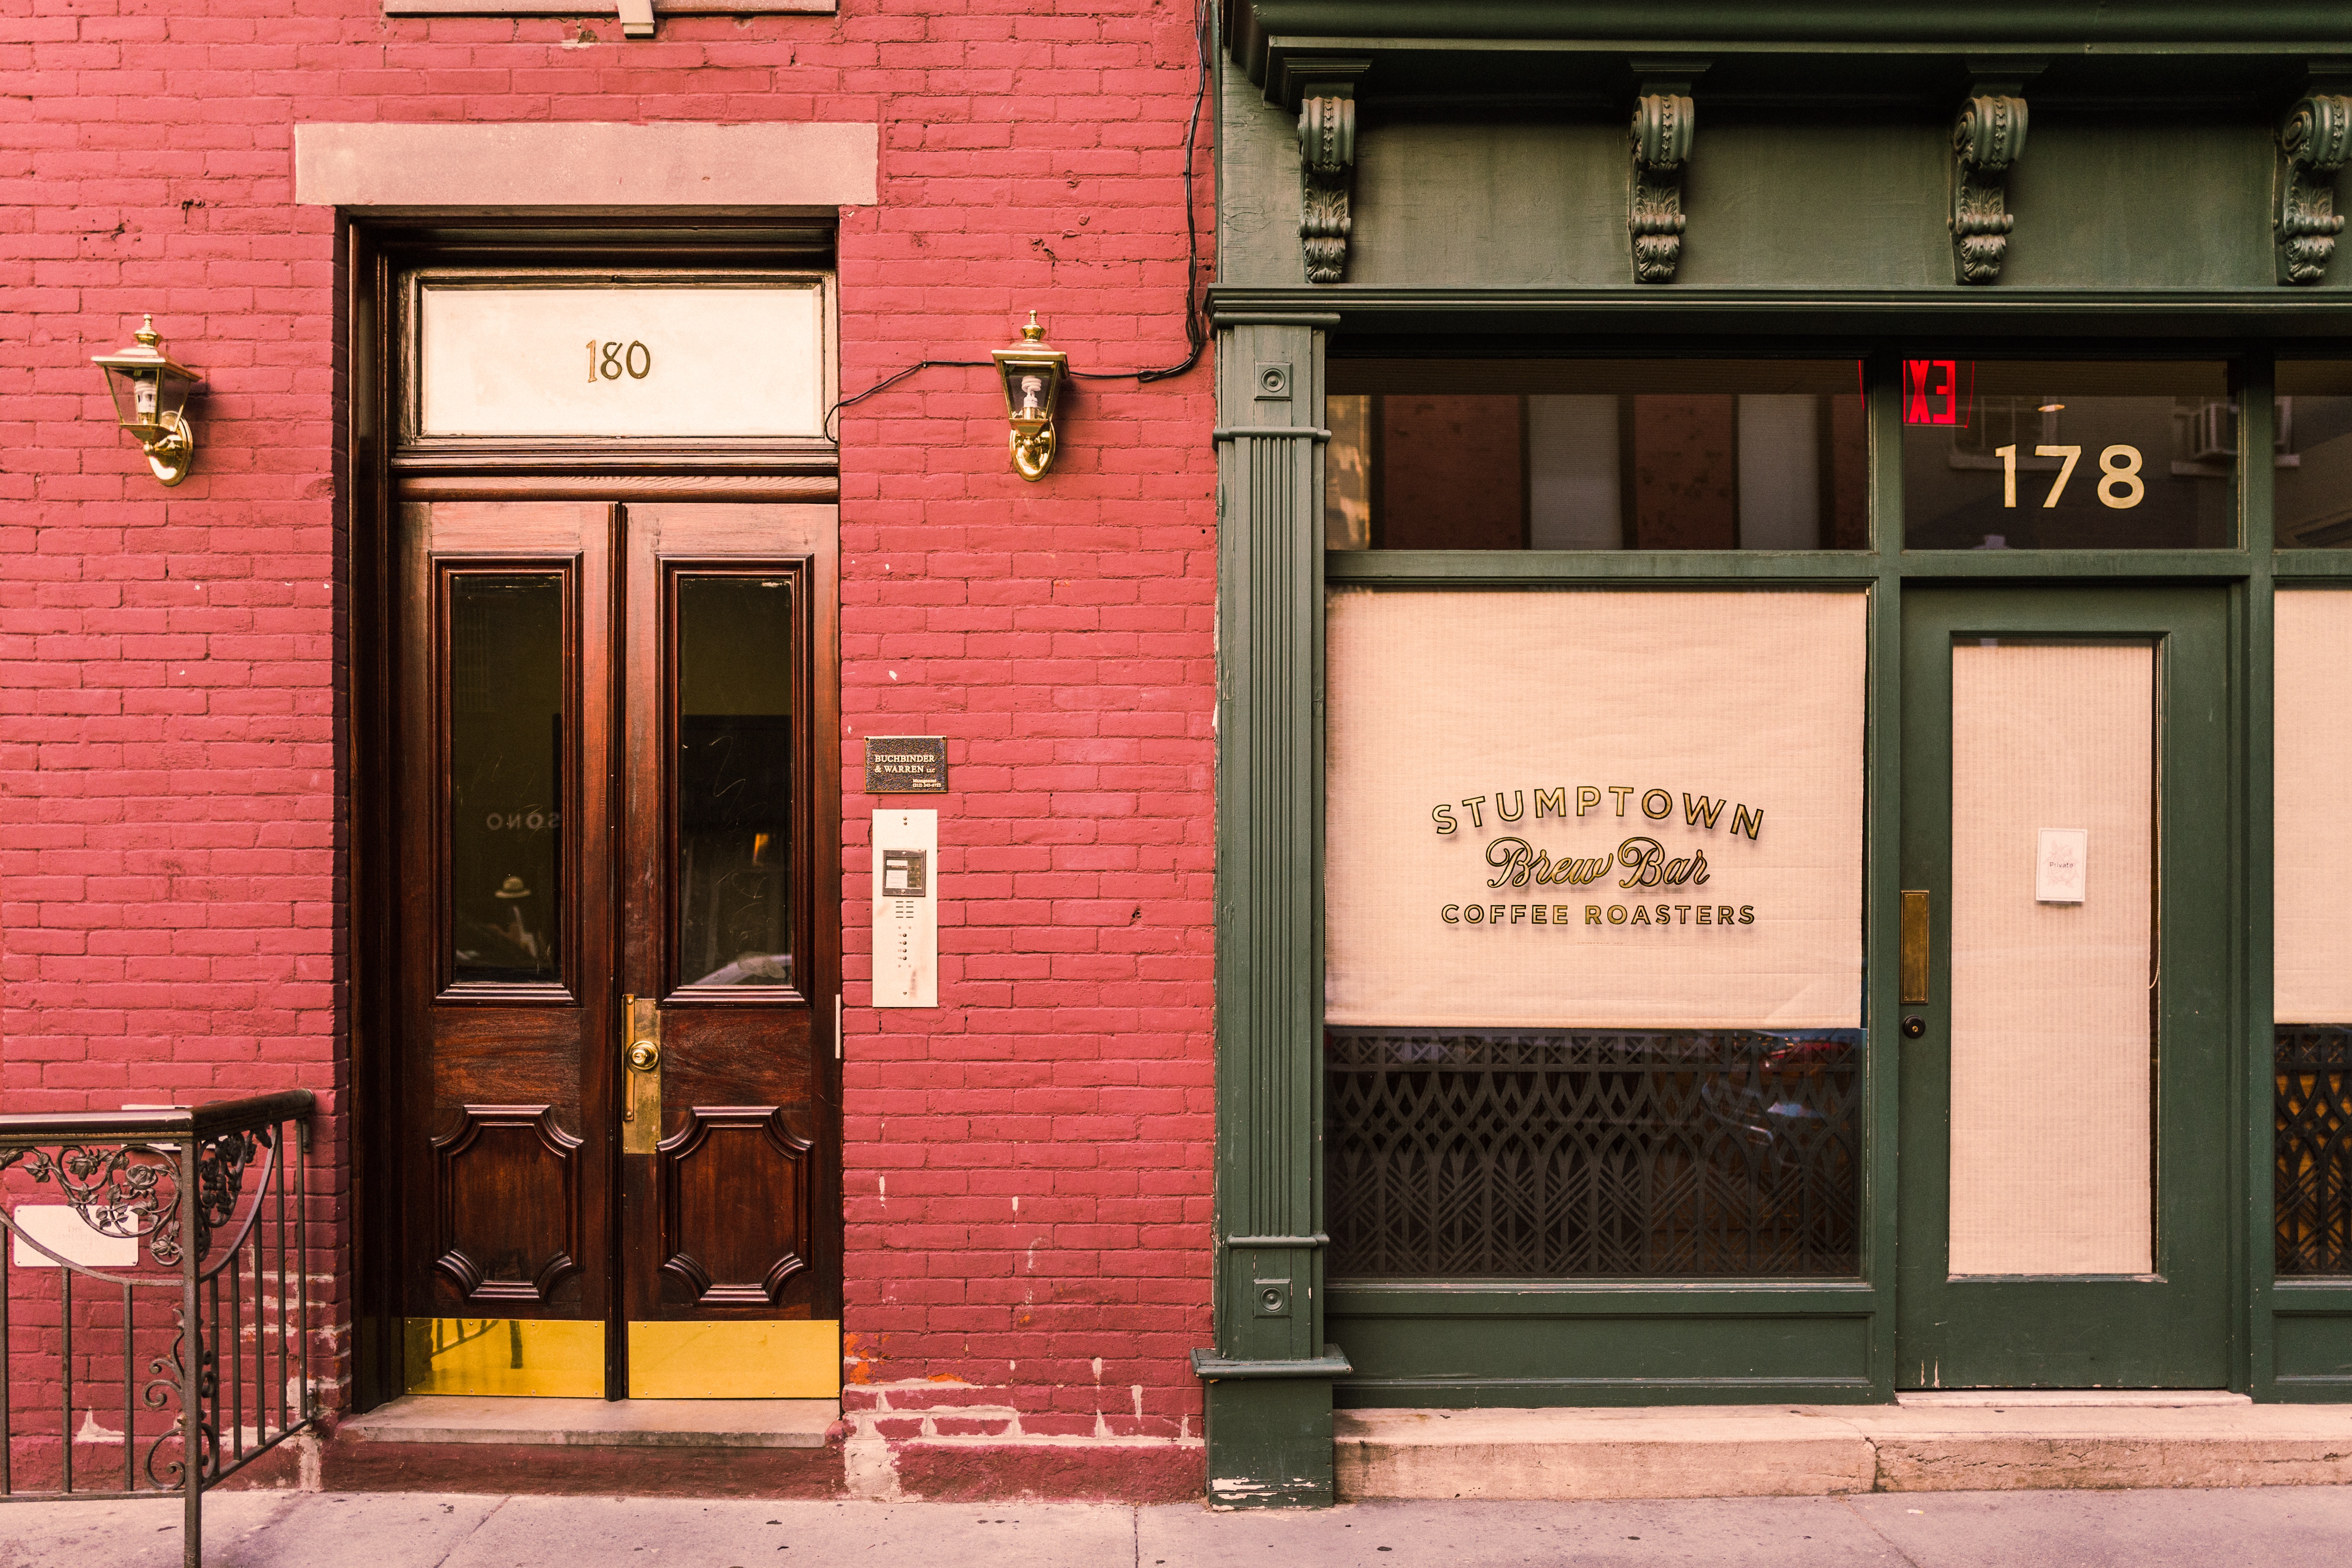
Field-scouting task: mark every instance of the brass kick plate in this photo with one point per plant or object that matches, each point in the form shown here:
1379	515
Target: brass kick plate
1915	945
641	1065
505	1357
790	1359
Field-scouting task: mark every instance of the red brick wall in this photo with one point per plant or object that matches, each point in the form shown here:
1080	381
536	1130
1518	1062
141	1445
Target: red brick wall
1028	1166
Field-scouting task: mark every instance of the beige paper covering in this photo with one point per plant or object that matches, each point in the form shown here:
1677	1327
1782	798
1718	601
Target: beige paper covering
2311	788
1750	698
2050	1001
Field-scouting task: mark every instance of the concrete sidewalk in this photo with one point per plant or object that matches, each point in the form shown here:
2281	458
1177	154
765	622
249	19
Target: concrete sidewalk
2270	1527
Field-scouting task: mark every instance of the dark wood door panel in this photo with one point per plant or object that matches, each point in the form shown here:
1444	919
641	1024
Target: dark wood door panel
507	1197
734	1192
505	1094
723	1219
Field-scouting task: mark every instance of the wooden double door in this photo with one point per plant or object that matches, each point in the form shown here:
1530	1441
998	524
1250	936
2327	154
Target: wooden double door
616	813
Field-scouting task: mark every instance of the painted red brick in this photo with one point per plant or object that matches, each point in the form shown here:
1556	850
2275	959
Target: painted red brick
1028	1167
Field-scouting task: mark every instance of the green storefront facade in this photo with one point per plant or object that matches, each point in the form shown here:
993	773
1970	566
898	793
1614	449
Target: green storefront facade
1861	467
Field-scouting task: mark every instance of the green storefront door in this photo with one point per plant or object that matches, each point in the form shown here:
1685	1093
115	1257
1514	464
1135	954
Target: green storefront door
2065	1091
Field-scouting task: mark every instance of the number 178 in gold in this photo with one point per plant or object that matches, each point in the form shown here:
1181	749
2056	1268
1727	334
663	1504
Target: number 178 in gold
2120	486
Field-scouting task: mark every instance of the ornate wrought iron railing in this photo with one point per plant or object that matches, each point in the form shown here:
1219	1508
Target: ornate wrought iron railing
155	1332
2314	1150
1592	1153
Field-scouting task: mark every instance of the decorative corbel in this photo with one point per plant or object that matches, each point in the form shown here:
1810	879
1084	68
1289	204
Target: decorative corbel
636	19
1327	168
1986	139
2313	143
1663	124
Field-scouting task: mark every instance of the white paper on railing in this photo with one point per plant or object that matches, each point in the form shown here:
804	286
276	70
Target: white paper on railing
1595	808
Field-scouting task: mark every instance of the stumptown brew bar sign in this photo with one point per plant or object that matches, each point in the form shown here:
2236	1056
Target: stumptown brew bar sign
1639	862
1549	808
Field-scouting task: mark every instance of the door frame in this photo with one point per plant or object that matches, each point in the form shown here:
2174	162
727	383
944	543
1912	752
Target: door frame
374	477
2194	657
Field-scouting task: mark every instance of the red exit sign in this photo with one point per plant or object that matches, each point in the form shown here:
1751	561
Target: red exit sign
1937	391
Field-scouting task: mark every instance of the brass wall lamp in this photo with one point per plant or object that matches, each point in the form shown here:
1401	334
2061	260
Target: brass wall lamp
151	398
1033	370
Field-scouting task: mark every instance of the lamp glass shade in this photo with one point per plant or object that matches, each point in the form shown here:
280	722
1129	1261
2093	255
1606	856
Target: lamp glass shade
150	391
1031	373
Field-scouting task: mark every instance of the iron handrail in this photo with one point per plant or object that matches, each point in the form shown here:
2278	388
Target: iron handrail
173	1182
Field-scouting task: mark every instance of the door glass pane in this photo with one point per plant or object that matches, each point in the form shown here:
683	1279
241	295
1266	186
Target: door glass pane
1594	932
2310	994
735	683
506	775
1596	455
2068	455
2313	498
2053	812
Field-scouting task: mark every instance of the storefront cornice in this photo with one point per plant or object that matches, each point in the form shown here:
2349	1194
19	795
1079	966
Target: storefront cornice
1834	50
2235	314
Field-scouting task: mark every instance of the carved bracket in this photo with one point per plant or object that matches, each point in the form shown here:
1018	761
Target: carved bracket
1986	139
1663	124
2313	143
1327	168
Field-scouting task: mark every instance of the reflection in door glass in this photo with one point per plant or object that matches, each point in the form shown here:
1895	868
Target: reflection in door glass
506	775
734	777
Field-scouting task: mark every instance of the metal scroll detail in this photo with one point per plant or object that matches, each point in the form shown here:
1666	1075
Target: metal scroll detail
2314	1150
1986	139
1327	163
168	1377
130	1192
1663	123
2313	143
1575	1153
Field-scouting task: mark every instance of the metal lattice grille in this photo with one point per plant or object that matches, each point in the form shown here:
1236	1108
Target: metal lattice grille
2315	1150
1560	1153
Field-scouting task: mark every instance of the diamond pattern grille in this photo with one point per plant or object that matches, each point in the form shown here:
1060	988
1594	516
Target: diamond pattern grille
1567	1154
2315	1150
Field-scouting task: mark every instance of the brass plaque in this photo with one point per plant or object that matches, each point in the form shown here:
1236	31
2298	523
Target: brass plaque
1915	945
906	765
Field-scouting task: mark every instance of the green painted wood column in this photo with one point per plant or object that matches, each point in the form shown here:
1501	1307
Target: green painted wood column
1268	1379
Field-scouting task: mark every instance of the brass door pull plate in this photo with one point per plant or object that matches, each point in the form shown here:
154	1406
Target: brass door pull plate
1913	967
641	1105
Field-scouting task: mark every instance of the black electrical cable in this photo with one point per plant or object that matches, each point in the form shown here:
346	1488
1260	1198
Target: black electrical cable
1196	316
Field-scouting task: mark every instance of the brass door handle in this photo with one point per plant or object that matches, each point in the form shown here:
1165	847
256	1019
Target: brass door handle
645	1056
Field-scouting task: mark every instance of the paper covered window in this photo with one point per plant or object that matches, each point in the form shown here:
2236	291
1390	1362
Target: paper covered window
1595	809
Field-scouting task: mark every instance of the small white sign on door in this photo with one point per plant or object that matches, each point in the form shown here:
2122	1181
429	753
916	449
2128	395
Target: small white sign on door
2060	865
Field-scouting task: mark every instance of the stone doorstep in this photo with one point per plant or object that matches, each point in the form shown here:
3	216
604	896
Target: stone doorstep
1701	1451
599	1423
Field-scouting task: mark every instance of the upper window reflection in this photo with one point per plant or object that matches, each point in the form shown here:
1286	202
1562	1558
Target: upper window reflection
1596	455
2027	454
734	780
2312	503
505	663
